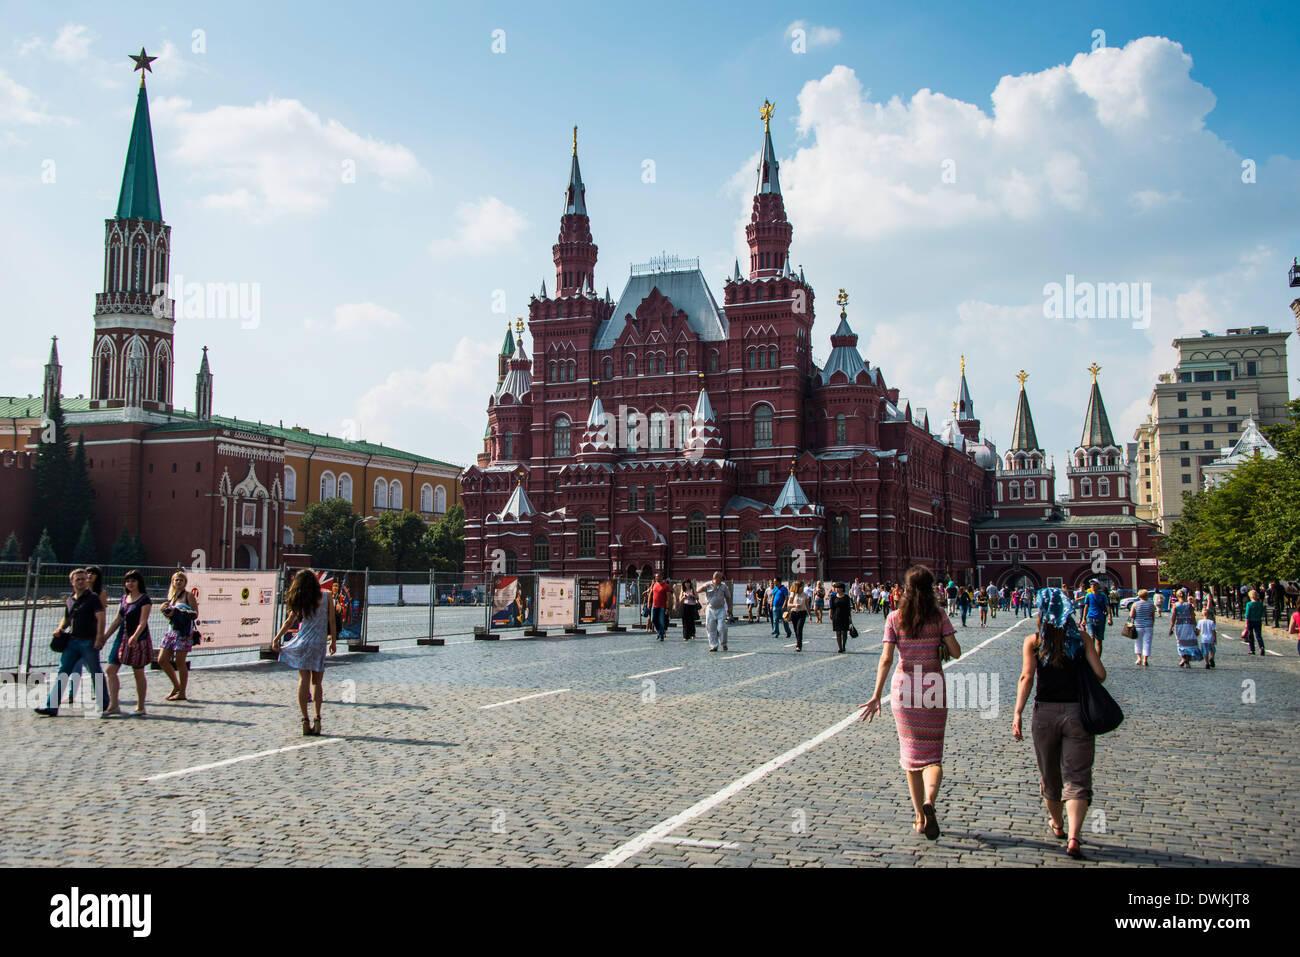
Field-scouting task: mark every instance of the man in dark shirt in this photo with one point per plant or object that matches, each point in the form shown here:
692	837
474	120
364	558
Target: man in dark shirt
1277	596
780	596
1098	614
83	624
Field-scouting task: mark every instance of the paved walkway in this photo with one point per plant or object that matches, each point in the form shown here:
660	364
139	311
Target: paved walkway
619	750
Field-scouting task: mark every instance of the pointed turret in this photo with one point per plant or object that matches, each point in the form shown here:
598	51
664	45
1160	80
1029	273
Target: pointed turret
844	355
792	495
966	420
598	436
768	232
519	507
53	378
736	276
1023	436
518	381
574	252
203	390
138	198
705	437
1096	425
503	357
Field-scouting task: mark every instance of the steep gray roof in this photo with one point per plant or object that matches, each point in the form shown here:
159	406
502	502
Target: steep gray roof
519	505
686	289
792	495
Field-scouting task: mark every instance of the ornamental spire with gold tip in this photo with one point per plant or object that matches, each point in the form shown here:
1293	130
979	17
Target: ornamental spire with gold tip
1096	424
139	198
1023	436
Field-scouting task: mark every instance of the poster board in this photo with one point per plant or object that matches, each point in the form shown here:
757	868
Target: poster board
236	608
596	601
555	602
513	604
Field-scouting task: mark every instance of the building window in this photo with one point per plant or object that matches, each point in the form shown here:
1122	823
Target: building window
512	562
1232	410
1013	541
658	429
649	498
1185	461
1051	541
772	358
439	500
541	552
1182	413
753	358
785	564
1093	540
1103	487
840	536
631	366
395	494
560	445
1252	367
695	534
749	550
1187	479
381	493
841	430
1208	445
607	368
764	477
681	362
1203	377
1230	394
1014	490
1073	541
1029	488
287	537
1085	488
631	500
1184	377
1205	397
1182	397
345	487
1182	446
1208	427
508	445
290	483
1207	412
763	427
993	542
551	375
327	488
162	380
426	497
713	362
1232	427
587	537
1114	539
1182	430
1033	541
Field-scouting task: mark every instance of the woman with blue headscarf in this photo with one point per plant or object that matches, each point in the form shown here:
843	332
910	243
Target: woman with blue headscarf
1063	747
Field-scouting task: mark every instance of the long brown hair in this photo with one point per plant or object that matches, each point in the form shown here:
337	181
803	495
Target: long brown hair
1051	645
918	607
304	595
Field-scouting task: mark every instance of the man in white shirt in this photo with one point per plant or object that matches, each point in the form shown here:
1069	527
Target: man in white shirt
716	598
992	591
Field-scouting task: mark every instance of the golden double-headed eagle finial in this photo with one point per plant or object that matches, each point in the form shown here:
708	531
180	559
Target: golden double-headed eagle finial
1022	375
1094	369
765	111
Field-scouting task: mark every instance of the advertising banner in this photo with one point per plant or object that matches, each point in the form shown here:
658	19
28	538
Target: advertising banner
236	608
596	603
512	602
348	592
555	602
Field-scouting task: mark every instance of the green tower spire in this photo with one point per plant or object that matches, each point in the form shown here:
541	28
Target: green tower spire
139	196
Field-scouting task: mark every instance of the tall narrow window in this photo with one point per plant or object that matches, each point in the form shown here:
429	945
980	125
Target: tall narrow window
840	535
561	444
327	487
631	499
381	493
508	445
395	494
426	497
290	483
649	498
541	552
162	380
763	427
345	487
587	537
749	550
439	500
695	534
841	430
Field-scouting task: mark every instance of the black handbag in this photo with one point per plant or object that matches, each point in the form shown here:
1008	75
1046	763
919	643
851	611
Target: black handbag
59	643
1099	711
853	632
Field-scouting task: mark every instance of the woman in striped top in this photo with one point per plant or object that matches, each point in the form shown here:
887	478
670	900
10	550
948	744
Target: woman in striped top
1143	615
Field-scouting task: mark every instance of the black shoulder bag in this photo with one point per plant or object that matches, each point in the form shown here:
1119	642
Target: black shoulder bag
1098	709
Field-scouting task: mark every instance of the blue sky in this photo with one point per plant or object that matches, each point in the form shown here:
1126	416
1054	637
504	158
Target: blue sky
377	296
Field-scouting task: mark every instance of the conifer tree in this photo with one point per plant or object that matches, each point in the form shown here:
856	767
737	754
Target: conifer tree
45	549
13	549
86	552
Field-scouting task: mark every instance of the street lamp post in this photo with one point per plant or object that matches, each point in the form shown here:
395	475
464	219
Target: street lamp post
359	521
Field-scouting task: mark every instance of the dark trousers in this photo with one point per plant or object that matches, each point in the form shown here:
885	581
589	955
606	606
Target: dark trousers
797	618
1254	634
965	609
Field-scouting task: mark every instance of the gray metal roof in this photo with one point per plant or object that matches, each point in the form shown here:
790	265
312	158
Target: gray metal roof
686	289
792	495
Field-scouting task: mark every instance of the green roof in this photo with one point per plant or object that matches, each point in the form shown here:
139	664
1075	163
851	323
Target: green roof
139	196
182	421
1063	521
508	347
1023	436
1096	426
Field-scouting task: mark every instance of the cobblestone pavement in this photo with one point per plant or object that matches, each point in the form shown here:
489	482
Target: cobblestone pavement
646	754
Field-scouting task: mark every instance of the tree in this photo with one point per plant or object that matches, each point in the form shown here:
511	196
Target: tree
123	549
13	549
401	535
79	495
445	541
86	552
328	528
45	549
139	556
51	472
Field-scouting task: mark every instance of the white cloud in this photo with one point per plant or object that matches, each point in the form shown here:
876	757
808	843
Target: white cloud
945	222
815	36
363	317
19	105
484	226
72	45
444	404
277	157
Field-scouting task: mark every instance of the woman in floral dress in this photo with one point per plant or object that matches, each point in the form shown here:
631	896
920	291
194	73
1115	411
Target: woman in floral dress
1182	622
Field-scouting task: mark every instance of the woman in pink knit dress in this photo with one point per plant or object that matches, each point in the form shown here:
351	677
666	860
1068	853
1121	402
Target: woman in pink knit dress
918	694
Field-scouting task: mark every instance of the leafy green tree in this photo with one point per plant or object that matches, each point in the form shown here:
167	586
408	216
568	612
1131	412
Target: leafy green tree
328	528
444	542
86	552
400	535
50	477
13	549
45	549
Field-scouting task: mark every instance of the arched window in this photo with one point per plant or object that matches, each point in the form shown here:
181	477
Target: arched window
1094	540
1051	541
658	430
1073	541
287	537
327	487
1033	541
763	427
587	537
753	358
1114	539
695	534
1013	489
840	535
290	483
1103	487
631	499
1013	541
841	430
631	365
508	445
541	552
1085	488
137	267
439	500
395	494
772	359
551	373
1029	488
345	487
681	362
993	542
426	497
649	498
661	364
573	370
749	550
560	445
785	564
713	361
105	375
607	368
381	493
162	379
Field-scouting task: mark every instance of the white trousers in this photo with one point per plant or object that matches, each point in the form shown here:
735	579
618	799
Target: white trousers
715	624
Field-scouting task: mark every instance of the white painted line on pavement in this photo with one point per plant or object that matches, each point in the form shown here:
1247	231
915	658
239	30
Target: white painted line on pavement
687	842
664	828
791	645
624	651
246	757
742	655
527	697
661	671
